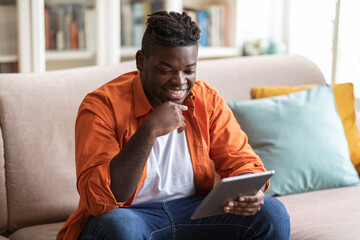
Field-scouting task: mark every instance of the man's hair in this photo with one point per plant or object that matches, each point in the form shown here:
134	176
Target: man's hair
169	29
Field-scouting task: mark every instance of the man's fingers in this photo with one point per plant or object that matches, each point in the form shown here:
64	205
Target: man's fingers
241	210
183	125
246	212
235	204
180	130
245	205
182	107
249	199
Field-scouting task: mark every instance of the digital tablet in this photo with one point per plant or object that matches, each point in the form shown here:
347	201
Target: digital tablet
229	189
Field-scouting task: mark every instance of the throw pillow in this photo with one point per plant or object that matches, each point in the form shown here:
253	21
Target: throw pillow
300	135
344	98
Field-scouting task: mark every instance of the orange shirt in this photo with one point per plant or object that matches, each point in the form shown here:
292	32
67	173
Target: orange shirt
110	115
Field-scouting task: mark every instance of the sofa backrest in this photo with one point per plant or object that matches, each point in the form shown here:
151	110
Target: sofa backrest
37	117
3	203
235	77
38	112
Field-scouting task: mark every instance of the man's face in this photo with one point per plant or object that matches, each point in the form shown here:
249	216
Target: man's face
168	74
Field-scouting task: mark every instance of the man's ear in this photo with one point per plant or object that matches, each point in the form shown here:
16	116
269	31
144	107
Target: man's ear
140	60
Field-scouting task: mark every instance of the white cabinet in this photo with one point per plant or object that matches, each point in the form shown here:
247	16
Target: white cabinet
60	34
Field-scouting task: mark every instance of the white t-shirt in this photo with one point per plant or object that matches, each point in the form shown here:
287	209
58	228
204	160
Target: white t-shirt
170	173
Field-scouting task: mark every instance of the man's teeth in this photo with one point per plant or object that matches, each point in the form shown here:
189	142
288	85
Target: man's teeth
175	91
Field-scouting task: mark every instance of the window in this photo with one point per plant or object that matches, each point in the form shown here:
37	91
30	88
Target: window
311	31
348	49
326	31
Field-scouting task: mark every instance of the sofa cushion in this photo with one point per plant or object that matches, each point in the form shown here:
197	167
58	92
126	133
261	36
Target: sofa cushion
344	98
37	114
324	215
301	136
357	111
3	203
39	232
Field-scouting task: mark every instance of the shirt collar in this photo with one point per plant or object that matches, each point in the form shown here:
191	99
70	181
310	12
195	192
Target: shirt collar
142	104
189	101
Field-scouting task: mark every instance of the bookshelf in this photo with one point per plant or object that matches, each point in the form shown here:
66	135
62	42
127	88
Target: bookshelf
69	33
61	34
221	21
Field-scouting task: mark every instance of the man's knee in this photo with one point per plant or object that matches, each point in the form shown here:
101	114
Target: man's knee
120	223
123	221
276	217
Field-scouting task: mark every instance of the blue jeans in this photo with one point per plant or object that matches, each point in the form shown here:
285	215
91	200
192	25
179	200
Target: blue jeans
171	220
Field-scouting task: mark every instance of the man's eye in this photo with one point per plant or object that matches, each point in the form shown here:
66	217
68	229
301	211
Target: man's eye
191	71
165	71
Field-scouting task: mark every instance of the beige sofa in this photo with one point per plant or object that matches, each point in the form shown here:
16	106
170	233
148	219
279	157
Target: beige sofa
37	174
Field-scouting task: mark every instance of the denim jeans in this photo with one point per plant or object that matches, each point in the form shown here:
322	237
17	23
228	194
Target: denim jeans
171	220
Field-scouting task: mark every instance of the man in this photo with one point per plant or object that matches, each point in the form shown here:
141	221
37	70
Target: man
144	145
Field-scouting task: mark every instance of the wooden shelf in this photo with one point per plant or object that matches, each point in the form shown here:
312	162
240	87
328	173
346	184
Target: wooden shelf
8	58
53	55
204	52
218	52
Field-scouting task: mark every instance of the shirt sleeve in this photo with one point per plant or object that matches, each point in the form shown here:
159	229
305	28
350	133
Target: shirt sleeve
96	144
229	147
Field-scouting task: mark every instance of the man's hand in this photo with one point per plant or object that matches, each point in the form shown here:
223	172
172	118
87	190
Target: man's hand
166	118
126	167
245	205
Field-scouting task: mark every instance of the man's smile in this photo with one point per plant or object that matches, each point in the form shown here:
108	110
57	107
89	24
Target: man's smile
175	93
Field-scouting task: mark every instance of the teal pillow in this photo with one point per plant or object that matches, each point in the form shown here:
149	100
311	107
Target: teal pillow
301	136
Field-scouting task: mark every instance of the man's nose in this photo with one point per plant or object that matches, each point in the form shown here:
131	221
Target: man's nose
180	78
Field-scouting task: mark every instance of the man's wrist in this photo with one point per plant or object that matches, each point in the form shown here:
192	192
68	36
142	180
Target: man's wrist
148	132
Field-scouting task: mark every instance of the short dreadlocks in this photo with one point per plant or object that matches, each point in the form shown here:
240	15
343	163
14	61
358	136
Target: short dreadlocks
169	29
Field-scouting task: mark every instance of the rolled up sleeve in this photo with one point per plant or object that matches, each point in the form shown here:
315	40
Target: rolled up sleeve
230	151
96	144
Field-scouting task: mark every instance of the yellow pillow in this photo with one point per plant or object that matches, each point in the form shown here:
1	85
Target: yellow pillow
344	98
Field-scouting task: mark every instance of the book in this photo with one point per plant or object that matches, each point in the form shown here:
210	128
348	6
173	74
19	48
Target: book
214	26
8	26
74	35
65	26
47	27
126	25
78	14
202	19
157	5
76	25
90	28
11	67
226	24
138	25
60	14
52	27
214	23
